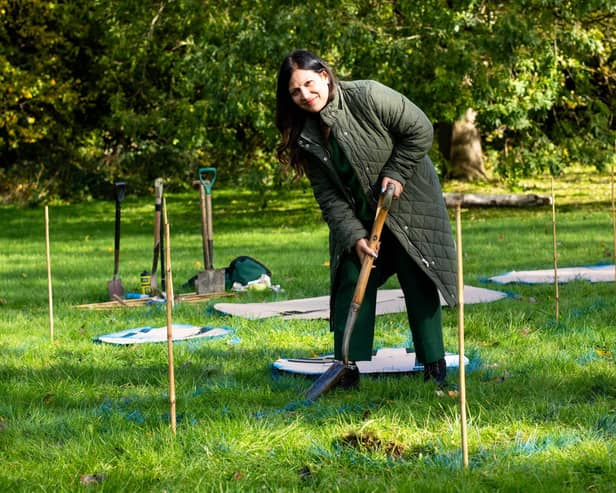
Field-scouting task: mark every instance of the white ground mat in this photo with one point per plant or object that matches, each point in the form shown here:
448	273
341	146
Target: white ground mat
388	301
600	273
181	332
386	360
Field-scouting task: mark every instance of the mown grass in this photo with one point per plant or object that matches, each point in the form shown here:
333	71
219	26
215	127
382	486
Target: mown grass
541	393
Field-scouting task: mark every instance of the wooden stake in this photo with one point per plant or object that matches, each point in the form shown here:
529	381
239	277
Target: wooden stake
556	295
614	219
49	289
462	372
169	291
183	297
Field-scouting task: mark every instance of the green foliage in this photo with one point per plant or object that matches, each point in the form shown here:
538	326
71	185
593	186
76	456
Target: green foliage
553	107
95	91
41	94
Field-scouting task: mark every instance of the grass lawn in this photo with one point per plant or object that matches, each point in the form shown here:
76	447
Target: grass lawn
541	393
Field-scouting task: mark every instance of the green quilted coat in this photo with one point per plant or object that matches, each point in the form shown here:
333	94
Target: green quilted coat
382	133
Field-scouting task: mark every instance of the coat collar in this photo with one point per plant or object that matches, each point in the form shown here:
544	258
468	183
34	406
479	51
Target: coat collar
329	116
312	131
330	113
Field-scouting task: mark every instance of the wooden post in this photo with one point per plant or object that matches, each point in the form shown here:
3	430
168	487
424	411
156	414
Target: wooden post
556	295
462	368
49	289
169	305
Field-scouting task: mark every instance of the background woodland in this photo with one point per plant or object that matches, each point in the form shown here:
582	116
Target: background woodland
92	91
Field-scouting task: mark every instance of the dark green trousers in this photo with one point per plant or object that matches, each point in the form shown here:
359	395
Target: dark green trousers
422	301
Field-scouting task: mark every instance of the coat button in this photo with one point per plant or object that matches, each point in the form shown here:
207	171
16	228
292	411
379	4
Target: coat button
324	158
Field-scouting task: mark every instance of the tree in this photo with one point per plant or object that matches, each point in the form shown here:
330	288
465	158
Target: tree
42	98
92	91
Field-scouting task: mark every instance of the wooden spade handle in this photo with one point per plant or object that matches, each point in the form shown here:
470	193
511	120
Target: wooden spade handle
382	210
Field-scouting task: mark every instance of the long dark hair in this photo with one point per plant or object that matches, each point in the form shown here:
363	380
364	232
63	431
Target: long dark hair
290	118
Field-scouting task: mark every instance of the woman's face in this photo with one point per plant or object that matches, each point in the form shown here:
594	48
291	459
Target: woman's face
309	89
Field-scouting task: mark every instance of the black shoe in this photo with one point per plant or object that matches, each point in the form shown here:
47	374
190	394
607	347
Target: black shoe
438	371
350	378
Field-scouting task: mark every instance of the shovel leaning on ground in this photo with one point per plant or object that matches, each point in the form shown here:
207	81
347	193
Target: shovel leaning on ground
209	280
116	289
158	201
339	368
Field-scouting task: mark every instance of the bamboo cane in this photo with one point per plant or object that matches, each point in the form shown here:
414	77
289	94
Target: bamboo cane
614	219
169	304
462	372
556	295
49	289
182	297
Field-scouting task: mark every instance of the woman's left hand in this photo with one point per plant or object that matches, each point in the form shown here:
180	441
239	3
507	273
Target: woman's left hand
398	188
362	248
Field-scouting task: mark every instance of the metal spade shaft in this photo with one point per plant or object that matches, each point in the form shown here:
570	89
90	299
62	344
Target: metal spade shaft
158	201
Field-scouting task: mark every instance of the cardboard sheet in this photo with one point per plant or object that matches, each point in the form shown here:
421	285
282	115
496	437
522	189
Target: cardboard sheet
386	360
600	273
141	335
388	301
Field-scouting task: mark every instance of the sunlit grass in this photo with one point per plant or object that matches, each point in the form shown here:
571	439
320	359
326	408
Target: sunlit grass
541	393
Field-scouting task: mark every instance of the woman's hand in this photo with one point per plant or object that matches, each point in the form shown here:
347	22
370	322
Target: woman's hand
362	249
398	188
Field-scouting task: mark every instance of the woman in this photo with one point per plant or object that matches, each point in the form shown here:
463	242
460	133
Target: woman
352	139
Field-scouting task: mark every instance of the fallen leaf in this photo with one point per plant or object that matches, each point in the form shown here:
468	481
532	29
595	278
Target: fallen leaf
237	475
604	353
92	478
490	343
